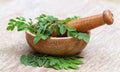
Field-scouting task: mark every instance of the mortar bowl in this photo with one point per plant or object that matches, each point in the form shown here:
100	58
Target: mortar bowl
57	46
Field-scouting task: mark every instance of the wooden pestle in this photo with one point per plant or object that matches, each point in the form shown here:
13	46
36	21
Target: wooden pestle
88	23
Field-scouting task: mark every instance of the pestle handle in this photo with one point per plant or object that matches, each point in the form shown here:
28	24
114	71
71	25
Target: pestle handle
88	23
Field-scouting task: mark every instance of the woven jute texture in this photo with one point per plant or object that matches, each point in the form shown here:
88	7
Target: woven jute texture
102	54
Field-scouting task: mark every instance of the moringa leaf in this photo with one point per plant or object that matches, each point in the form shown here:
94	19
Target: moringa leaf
76	61
83	36
11	21
75	17
42	15
37	38
30	29
57	30
22	27
44	37
74	66
40	62
24	60
71	29
51	29
62	29
10	27
45	26
56	62
71	33
30	21
47	63
21	18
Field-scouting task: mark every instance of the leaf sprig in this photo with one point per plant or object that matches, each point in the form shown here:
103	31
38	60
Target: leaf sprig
21	24
56	62
45	26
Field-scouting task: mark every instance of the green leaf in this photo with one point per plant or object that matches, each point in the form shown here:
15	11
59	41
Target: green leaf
77	61
37	38
51	29
65	66
75	17
12	21
34	64
52	60
47	33
57	30
42	15
62	29
38	18
51	18
40	62
10	27
80	36
30	29
71	29
86	38
67	19
83	36
22	27
57	67
30	58
23	19
74	66
18	23
47	64
39	30
71	33
57	62
45	28
44	37
30	21
18	18
24	60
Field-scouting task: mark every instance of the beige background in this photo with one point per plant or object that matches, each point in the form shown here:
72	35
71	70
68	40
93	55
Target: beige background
102	54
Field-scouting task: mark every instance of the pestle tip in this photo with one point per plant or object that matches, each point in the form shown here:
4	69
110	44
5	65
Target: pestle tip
108	17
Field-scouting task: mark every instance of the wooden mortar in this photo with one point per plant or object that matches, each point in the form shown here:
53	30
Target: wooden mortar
58	46
64	46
